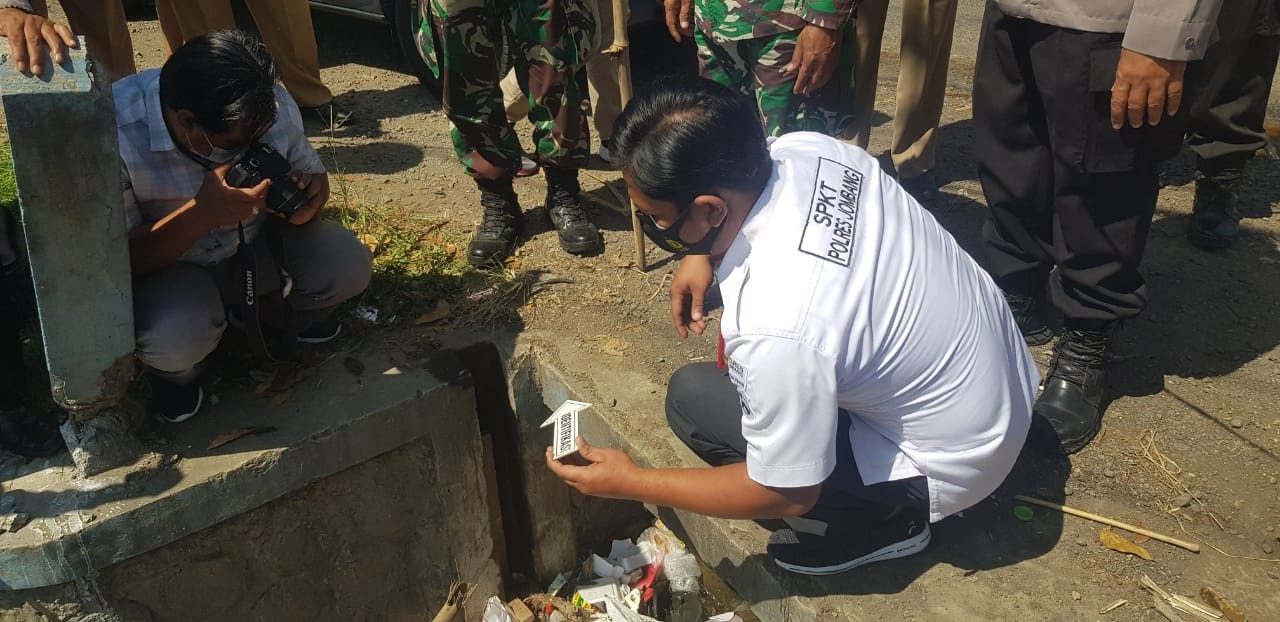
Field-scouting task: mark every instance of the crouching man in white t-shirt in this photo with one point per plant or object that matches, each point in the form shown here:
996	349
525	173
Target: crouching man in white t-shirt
875	378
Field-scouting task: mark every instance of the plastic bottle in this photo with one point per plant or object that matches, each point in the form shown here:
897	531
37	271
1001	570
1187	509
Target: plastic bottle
682	572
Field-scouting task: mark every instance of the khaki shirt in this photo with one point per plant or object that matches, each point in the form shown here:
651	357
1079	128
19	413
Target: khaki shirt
1168	29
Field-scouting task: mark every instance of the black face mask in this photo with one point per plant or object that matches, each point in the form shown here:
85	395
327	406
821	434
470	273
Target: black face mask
668	238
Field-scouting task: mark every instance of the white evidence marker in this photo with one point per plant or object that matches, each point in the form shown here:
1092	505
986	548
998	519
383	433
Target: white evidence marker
565	433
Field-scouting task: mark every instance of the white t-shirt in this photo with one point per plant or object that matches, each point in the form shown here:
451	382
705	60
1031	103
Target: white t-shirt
841	292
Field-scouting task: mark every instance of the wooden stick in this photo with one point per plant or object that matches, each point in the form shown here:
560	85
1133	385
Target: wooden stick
621	53
1190	546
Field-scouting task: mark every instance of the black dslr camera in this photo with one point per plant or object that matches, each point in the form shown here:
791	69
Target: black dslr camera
262	162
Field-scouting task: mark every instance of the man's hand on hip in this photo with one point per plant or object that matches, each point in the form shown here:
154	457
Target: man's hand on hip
1145	88
28	35
222	205
815	59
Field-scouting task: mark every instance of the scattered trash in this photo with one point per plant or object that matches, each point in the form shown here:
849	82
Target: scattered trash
497	611
238	434
1168	604
727	616
459	594
564	437
520	611
1023	513
440	312
653	578
1190	546
13	522
1116	542
353	365
558	584
368	314
1223	604
1113	606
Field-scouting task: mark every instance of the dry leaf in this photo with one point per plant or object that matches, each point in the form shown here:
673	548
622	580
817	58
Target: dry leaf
264	383
613	346
435	315
282	397
618	261
370	242
1116	542
512	263
239	434
1223	604
436	240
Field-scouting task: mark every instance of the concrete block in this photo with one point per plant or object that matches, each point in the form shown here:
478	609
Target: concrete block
102	443
429	494
63	135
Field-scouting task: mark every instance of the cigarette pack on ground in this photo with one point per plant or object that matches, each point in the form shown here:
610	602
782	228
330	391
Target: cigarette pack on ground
564	436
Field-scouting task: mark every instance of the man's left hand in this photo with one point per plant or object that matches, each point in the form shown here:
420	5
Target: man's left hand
316	187
28	35
607	473
815	58
1146	88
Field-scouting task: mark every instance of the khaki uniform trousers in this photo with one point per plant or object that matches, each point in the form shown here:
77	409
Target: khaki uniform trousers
927	27
286	30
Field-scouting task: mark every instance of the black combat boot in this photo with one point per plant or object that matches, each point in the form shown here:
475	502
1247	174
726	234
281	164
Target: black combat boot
1068	413
1215	222
1028	313
577	233
502	223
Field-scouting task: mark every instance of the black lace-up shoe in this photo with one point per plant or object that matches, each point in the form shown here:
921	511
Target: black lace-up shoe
501	224
846	546
1028	313
578	235
1068	413
1215	221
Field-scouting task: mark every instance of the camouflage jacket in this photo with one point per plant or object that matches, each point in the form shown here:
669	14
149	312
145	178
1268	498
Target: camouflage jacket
735	20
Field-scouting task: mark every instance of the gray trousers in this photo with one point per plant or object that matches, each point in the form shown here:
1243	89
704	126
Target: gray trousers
180	312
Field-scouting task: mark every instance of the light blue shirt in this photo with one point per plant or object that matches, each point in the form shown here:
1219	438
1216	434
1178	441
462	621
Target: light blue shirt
158	178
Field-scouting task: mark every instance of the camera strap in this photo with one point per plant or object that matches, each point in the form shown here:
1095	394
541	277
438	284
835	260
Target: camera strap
258	309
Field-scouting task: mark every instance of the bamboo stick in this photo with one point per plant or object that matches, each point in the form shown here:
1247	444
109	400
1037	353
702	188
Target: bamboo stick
1190	546
621	53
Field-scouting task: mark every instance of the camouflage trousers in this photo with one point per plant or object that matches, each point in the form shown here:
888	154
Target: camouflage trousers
757	67
471	44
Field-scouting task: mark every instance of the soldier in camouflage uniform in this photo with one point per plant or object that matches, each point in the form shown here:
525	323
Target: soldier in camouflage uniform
751	46
470	45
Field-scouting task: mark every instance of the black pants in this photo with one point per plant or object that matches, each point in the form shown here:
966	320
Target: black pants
704	410
1065	190
1231	86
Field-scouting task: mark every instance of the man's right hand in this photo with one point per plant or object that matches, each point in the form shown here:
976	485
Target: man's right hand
28	35
679	18
222	205
688	289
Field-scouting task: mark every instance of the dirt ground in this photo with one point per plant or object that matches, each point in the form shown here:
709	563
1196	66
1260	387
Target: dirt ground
1191	442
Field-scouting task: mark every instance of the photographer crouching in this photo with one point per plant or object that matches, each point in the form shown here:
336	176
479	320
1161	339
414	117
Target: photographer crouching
221	196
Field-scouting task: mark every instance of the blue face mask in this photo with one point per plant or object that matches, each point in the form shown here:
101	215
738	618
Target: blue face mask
218	155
